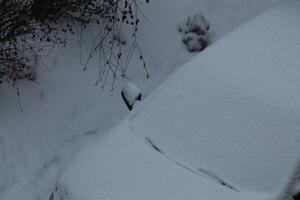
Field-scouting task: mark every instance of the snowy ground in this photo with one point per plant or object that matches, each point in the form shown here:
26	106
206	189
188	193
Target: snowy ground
64	111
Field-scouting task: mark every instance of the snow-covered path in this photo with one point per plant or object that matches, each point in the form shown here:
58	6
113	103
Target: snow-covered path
64	111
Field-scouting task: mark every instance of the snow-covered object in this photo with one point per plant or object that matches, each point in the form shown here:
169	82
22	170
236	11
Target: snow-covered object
131	95
235	109
197	24
124	166
224	126
195	32
195	42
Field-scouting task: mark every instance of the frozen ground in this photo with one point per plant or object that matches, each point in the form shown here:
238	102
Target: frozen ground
64	111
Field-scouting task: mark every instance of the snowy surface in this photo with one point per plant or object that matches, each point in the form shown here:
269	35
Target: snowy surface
64	111
123	166
225	128
234	110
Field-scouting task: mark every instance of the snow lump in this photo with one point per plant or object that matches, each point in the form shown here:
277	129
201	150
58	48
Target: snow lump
195	32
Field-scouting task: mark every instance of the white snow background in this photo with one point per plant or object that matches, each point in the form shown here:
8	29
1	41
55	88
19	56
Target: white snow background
64	110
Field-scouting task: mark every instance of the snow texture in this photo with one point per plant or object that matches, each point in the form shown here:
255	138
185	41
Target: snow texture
235	108
216	129
123	166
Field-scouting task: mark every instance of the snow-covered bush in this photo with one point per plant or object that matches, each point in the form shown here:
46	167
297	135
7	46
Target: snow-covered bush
28	27
195	32
195	42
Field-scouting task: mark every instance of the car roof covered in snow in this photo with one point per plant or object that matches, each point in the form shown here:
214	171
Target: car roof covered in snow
231	115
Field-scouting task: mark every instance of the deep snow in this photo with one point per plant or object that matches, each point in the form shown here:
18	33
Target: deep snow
225	128
234	109
122	166
64	110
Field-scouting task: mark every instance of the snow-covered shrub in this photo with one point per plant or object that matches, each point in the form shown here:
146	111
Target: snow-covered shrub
195	42
195	32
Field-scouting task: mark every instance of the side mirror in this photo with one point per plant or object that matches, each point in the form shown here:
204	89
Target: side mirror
131	95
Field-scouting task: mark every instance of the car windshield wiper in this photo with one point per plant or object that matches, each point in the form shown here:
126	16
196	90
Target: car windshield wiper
199	172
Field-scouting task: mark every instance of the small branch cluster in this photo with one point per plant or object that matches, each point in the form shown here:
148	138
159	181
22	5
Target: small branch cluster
114	60
28	27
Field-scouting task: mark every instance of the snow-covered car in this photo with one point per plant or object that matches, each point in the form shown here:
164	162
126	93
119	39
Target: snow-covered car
225	126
